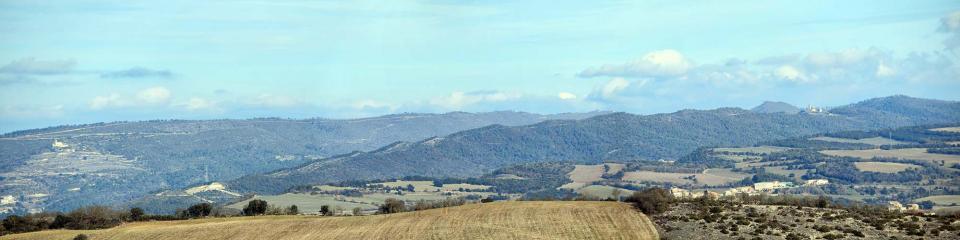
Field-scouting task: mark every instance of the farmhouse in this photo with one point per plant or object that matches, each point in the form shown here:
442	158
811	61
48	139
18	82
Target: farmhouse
894	206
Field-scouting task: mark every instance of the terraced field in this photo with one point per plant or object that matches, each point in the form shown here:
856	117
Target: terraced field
502	220
883	167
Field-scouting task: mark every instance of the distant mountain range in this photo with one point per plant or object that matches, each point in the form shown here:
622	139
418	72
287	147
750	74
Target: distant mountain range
60	168
617	136
67	166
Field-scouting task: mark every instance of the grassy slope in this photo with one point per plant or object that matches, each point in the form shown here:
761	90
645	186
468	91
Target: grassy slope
503	220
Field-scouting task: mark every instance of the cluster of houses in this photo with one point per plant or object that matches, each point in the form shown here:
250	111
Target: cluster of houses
897	207
755	189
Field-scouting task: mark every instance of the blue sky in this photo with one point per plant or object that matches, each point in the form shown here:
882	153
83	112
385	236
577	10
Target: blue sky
69	62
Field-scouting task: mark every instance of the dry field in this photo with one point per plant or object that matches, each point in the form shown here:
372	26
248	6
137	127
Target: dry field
876	141
883	167
905	153
947	129
502	220
710	177
306	203
944	200
583	175
603	192
760	149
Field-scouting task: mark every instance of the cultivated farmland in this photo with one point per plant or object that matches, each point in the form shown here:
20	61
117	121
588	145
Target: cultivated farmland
905	153
503	220
883	167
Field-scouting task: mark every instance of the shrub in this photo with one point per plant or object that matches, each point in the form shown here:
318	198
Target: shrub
81	237
200	210
393	205
136	213
255	207
652	201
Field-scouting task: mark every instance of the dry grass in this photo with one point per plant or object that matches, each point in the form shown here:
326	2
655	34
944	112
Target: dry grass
503	220
876	141
905	153
883	167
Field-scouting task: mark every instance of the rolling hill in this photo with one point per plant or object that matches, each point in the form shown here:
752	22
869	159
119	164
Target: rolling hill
617	136
775	107
109	163
502	220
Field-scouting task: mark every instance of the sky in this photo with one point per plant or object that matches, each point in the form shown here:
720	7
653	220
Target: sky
74	62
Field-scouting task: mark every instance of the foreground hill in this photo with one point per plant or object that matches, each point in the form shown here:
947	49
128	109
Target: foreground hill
502	220
618	136
113	162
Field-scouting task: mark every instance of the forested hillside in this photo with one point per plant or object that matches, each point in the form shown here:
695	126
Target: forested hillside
114	162
618	136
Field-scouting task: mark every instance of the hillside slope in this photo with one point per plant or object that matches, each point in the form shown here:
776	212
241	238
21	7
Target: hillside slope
114	162
618	136
502	220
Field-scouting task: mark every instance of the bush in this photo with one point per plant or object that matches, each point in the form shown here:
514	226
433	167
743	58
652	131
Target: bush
81	237
136	213
200	210
393	205
652	201
255	207
325	210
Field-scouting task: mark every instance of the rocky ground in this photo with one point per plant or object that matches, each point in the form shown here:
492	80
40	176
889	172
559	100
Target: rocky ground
738	221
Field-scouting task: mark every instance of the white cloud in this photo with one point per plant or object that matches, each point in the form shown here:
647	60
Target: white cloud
458	100
884	71
566	96
31	111
788	72
614	86
372	104
154	95
112	100
950	24
657	64
196	103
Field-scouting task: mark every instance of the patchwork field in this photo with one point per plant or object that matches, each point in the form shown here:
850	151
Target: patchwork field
883	167
502	220
905	153
710	177
760	149
876	141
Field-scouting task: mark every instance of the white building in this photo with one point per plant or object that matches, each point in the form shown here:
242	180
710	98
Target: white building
816	182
